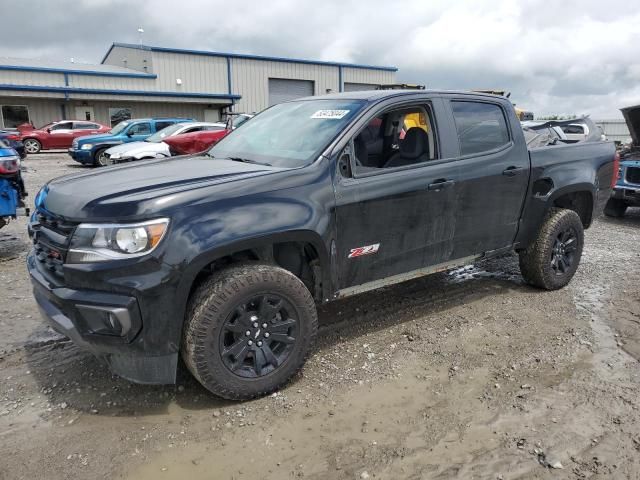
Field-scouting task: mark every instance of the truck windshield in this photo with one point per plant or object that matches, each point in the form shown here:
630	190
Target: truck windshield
119	128
290	134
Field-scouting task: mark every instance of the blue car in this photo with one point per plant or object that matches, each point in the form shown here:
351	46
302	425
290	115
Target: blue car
626	192
12	190
12	139
90	149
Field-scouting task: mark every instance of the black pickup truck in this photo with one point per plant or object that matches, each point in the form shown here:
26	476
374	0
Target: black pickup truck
222	257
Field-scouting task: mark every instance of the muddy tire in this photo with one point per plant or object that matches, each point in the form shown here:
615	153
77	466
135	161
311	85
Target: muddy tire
31	145
249	328
553	258
615	208
100	159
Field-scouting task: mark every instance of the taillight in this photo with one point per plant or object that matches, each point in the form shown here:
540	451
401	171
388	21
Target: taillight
9	165
616	170
13	137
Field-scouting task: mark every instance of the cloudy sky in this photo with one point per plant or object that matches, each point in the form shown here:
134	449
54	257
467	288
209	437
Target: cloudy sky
569	57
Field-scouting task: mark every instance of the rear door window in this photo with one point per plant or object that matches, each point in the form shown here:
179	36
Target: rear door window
163	124
84	126
481	127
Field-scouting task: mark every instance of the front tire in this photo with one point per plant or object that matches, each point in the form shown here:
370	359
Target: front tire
249	329
553	258
615	208
31	145
100	159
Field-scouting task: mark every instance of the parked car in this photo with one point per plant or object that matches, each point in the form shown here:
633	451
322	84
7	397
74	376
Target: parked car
12	139
58	134
626	192
578	130
196	142
90	150
221	257
12	191
156	145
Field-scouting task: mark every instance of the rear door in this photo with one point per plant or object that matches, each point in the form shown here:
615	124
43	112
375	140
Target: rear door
84	128
493	174
61	135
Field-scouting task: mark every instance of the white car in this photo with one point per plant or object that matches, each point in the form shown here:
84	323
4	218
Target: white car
154	147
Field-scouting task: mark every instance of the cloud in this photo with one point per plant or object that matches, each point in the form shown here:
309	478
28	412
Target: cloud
555	57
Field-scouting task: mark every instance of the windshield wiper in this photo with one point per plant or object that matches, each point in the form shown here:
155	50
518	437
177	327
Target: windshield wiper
248	160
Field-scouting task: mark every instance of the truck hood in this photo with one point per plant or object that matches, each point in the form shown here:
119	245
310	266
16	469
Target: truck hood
138	148
632	117
143	189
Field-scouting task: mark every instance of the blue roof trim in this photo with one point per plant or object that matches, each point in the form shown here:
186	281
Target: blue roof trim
98	91
247	56
70	71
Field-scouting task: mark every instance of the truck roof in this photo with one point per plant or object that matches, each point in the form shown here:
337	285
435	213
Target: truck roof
374	95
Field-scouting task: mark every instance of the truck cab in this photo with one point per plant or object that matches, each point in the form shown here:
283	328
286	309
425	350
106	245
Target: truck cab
90	149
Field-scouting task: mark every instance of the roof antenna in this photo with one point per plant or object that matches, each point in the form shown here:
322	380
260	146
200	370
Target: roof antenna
140	32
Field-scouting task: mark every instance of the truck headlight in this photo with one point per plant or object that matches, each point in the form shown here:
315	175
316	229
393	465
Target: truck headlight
101	242
86	146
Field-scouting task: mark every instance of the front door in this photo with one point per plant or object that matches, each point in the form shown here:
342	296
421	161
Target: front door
61	135
395	212
492	181
85	113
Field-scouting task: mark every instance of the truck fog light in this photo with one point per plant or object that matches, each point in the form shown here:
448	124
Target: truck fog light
132	240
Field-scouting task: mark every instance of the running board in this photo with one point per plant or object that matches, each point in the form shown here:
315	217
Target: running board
403	277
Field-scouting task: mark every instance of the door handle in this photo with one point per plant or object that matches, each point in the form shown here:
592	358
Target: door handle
440	184
512	171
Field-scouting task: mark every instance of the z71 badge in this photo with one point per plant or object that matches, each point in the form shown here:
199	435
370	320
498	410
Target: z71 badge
360	251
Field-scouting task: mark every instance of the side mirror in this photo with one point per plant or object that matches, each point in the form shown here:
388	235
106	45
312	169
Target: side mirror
48	130
130	133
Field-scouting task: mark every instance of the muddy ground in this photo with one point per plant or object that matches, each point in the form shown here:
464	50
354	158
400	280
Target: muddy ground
466	374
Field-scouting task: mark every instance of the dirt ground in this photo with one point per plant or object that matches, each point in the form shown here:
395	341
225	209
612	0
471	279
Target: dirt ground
468	374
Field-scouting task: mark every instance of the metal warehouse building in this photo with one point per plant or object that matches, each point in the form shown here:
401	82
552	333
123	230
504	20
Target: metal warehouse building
142	81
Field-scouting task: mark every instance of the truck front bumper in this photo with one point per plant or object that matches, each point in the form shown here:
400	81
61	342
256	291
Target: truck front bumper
82	156
107	325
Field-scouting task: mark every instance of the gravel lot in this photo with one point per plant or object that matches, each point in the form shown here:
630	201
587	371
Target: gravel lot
465	374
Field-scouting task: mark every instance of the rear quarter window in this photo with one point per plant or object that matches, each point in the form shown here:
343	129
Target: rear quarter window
481	127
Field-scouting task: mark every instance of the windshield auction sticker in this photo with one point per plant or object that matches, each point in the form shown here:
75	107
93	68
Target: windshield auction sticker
330	114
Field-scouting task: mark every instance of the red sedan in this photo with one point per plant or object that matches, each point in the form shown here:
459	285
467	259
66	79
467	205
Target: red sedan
196	142
58	134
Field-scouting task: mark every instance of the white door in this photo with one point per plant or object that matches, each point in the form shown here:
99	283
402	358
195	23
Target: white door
84	113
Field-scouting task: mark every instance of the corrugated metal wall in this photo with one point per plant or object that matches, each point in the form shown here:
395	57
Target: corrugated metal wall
363	75
202	74
41	111
134	58
615	130
250	78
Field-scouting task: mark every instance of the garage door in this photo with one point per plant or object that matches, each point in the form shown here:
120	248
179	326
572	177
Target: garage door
356	87
282	90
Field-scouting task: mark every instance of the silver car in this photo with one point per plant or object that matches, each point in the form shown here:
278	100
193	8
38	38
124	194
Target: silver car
154	147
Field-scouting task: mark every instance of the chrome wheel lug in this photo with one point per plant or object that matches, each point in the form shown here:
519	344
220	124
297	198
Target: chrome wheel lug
247	333
253	318
259	343
264	325
255	324
249	343
266	334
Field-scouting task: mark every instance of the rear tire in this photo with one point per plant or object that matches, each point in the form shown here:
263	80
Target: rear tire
100	159
249	328
615	208
31	145
553	258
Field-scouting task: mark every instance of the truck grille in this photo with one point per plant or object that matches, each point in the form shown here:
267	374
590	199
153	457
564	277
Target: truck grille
633	175
51	237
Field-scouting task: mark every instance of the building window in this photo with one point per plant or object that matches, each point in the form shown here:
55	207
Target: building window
117	115
14	115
